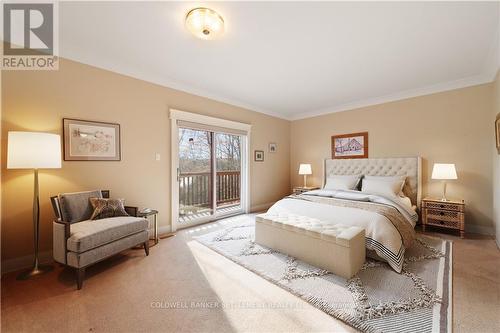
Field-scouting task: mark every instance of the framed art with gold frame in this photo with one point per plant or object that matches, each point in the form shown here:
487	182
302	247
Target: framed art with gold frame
91	140
353	145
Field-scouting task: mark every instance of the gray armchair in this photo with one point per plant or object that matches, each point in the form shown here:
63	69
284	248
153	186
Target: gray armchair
80	242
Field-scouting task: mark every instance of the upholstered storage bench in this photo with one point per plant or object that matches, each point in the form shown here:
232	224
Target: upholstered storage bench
337	248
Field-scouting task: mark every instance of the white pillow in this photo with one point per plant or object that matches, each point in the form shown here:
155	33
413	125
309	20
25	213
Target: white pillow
342	182
389	179
385	187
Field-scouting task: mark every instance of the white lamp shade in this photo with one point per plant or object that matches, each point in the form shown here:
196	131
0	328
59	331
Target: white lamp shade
305	169
444	171
33	150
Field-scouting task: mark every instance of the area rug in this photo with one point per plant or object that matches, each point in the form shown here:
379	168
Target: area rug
377	299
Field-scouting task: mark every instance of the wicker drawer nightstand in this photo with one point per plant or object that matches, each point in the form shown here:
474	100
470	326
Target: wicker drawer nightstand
444	214
300	190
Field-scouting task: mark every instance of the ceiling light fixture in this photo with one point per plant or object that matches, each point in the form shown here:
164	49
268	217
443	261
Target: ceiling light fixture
204	23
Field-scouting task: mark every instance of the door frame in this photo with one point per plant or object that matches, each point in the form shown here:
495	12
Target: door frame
175	116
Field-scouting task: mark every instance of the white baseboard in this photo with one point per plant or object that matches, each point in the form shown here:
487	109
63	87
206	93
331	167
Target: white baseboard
15	264
164	230
261	207
480	229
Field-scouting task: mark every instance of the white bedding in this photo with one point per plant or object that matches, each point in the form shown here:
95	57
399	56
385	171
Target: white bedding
381	235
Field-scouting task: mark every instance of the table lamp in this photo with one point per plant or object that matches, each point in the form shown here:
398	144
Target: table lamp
34	150
305	169
444	172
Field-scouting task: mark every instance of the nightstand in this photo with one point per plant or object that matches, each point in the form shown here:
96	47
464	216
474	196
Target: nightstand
445	214
302	189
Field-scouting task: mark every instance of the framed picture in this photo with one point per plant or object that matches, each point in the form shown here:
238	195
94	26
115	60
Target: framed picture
354	145
259	156
91	140
273	147
497	131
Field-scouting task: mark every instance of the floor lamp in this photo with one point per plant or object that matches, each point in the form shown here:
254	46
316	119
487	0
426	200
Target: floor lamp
34	150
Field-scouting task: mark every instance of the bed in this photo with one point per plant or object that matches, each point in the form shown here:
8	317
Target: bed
388	222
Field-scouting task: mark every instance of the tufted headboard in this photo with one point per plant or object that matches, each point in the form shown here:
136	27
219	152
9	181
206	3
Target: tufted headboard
392	166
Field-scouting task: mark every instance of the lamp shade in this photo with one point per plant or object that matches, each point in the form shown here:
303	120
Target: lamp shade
444	171
305	169
33	150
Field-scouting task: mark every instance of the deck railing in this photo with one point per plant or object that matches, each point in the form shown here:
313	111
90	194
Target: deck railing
195	188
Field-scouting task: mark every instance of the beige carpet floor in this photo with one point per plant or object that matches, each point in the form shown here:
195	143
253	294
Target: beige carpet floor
185	287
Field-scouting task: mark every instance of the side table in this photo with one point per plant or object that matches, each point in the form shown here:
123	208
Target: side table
445	214
146	215
301	189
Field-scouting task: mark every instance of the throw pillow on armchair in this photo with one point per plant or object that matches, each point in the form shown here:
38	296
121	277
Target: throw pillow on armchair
105	208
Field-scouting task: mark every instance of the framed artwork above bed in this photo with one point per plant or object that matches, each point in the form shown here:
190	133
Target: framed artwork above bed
354	145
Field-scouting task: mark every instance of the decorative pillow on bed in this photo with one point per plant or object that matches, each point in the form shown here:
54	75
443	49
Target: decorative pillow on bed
389	179
389	186
104	208
342	182
406	202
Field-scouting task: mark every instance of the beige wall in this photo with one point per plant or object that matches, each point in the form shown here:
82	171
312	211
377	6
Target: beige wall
453	126
496	161
38	100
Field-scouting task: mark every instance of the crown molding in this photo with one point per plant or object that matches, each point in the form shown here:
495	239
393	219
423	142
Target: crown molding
172	84
432	89
487	76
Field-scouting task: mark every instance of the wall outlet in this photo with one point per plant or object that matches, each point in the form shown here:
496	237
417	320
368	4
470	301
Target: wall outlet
157	156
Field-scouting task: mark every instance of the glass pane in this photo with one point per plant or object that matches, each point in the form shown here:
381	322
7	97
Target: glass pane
228	182
195	170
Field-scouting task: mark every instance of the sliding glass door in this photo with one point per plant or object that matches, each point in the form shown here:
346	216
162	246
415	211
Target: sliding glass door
209	175
228	172
195	174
